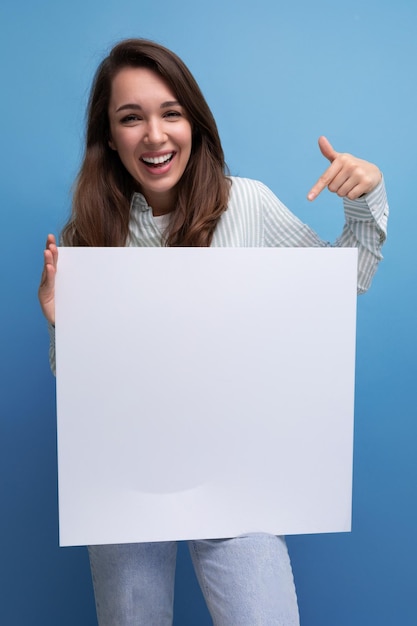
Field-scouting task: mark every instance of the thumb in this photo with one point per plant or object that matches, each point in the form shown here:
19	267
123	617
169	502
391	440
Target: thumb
327	149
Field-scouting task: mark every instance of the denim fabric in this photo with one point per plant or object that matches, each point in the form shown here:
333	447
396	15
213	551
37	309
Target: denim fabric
246	581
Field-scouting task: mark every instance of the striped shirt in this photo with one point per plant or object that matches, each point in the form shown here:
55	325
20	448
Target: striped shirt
255	217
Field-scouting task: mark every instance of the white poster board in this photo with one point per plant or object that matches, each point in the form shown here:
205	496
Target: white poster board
204	393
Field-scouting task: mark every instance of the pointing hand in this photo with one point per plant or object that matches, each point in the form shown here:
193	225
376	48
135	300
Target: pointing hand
347	175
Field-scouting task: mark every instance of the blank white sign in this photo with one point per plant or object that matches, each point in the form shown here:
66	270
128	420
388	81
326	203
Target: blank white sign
204	392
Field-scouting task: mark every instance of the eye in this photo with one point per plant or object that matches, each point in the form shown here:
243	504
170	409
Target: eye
172	114
130	119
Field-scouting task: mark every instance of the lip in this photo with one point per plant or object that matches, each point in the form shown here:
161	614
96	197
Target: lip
156	153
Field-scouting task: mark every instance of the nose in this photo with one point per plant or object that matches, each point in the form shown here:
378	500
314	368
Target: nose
155	133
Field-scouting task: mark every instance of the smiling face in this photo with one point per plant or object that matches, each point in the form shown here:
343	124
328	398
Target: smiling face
151	133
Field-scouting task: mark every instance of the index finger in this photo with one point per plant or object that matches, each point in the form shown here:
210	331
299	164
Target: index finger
324	180
50	240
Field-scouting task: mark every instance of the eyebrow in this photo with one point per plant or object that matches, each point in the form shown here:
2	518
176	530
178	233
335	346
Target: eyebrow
137	107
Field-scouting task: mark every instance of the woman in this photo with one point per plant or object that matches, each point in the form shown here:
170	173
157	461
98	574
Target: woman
154	174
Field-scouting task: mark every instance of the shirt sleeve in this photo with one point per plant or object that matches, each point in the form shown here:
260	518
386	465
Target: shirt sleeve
365	228
52	361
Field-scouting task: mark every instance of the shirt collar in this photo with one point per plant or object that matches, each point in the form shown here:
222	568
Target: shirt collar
139	203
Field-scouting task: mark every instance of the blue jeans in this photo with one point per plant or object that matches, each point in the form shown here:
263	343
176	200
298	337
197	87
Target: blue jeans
246	581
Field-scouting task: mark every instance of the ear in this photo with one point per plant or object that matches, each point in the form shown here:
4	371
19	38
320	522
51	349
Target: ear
112	145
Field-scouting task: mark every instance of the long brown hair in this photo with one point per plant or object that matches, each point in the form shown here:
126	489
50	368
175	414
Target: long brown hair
104	188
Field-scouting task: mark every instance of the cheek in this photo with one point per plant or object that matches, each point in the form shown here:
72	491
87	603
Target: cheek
126	155
123	142
123	145
187	140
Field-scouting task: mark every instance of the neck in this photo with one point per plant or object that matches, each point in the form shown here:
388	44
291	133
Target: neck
161	203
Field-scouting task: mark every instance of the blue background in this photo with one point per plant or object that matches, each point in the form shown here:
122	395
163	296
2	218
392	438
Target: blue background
277	75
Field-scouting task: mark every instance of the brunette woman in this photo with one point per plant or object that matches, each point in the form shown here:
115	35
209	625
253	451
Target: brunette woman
154	174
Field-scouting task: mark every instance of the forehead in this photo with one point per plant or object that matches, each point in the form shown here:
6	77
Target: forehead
136	83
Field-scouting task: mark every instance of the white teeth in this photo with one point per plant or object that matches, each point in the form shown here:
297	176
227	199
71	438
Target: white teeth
158	160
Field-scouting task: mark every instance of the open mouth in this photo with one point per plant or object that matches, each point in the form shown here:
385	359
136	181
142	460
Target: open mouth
158	161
